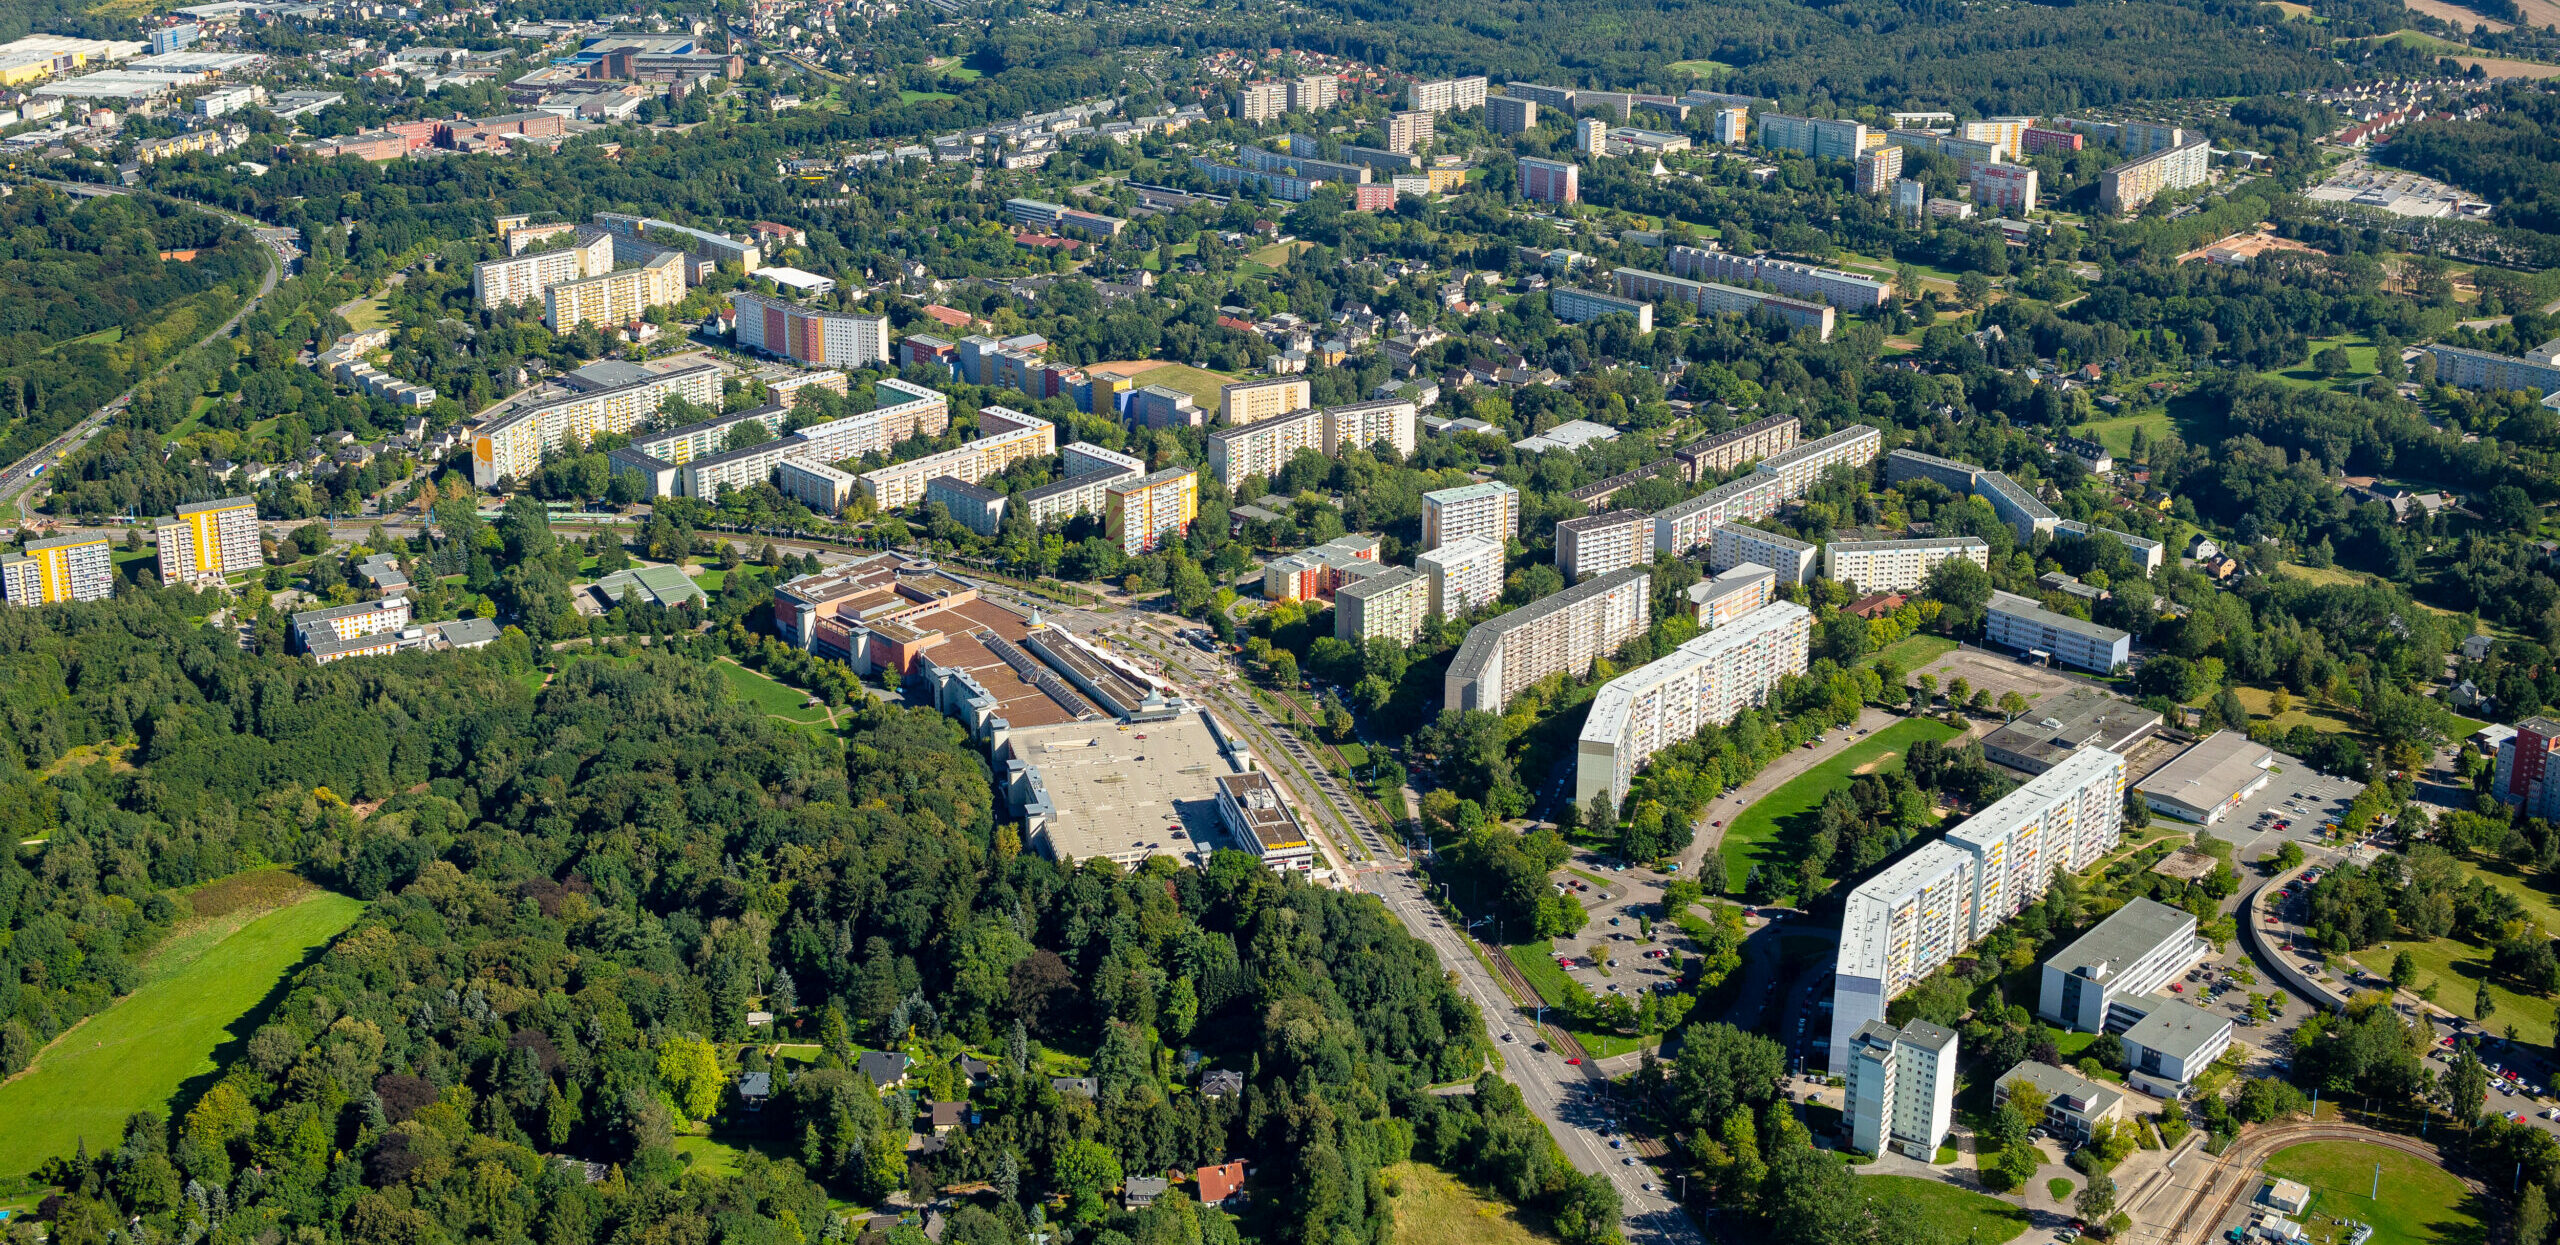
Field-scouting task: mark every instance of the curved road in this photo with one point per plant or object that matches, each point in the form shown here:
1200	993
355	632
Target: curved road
15	479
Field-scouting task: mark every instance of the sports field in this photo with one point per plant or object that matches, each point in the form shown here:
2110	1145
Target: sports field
1754	837
196	994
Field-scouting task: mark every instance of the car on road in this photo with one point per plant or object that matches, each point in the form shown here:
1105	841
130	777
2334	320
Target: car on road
1508	1038
1575	1060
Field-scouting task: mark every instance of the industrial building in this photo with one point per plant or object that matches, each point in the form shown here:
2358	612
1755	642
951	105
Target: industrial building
2208	780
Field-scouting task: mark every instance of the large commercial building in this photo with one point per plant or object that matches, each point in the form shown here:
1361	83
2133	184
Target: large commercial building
2098	983
1005	436
1490	510
1737	545
1812	136
1902	1088
1550	181
1724	451
2064	818
2021	623
1706	681
511	446
1148	513
1447	95
1461	574
526	278
1848	291
1898	565
825	338
1562	633
1083	788
1254	816
2127	186
616	298
2211	778
1597	544
209	540
59	569
1899	926
1390	605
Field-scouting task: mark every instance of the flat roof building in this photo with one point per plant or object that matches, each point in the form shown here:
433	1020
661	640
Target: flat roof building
2099	983
1390	605
2168	1049
2073	1103
1565	632
2064	723
1250	808
1461	575
2021	623
1898	927
1490	510
1710	679
59	569
1898	565
2210	779
1735	545
2067	817
1600	543
1091	789
1902	1088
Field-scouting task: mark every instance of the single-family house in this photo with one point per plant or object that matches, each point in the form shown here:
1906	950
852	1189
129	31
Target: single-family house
886	1068
1217	1184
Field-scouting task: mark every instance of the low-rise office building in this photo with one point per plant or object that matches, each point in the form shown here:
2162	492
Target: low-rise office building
2101	982
1250	808
2060	725
2021	623
2074	1104
2170	1047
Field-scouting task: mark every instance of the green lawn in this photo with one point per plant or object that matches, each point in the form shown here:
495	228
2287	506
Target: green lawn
2424	1203
1201	383
1754	836
1697	67
366	314
1952	1212
917	97
779	699
133	1056
1911	653
2117	433
2360	365
2456	967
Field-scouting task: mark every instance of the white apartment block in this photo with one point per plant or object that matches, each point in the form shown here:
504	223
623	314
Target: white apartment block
1897	565
2127	186
1407	131
616	298
1264	446
1732	594
1446	95
1900	925
1846	290
2064	818
59	569
1597	544
1365	424
1490	510
512	446
1005	436
1563	633
1247	401
1461	575
525	278
2150	553
1799	469
1733	546
1681	528
1389	606
1706	681
210	539
1902	1088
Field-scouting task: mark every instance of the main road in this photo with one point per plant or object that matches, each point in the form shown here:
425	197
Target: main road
15	479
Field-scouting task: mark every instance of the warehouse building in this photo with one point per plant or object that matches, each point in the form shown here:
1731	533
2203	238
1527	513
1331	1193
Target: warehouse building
2210	779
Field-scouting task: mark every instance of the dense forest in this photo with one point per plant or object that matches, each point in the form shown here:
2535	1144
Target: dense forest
578	895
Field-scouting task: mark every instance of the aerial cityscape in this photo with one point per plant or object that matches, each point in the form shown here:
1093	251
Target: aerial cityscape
1608	623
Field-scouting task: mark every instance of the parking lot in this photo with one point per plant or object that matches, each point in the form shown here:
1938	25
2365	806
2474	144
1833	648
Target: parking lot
1616	900
2295	795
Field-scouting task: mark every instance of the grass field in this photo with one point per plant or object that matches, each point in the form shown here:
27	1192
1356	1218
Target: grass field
2456	967
1913	652
1435	1208
1277	255
2117	433
2424	1204
779	699
917	97
2300	713
1755	834
195	994
1201	383
1700	67
1954	1213
366	314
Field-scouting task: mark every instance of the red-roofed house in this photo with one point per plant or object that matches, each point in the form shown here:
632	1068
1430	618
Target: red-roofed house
948	317
778	234
1221	1182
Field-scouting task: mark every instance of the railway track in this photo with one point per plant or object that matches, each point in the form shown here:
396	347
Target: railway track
2238	1169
